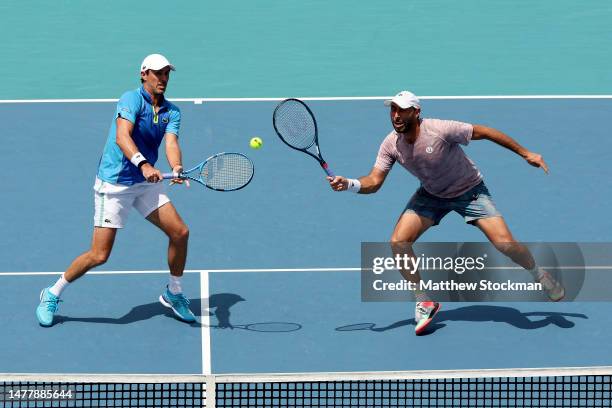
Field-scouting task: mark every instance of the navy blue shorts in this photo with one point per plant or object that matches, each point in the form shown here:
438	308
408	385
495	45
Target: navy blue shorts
472	205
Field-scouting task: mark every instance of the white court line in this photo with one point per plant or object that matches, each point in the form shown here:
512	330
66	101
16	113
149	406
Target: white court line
207	271
189	271
316	98
590	267
205	322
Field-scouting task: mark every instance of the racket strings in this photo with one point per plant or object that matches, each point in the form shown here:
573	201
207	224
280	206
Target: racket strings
295	124
227	172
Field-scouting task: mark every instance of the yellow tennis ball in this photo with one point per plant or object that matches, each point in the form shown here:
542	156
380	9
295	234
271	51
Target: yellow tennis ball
256	143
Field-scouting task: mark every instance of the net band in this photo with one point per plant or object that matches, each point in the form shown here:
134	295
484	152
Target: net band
573	387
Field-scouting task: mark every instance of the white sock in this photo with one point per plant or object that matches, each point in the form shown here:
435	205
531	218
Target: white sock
174	285
59	286
536	272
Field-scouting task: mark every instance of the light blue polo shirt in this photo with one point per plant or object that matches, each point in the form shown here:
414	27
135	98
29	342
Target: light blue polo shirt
149	130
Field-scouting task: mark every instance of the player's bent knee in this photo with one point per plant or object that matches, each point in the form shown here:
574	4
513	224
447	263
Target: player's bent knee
405	240
181	234
401	246
99	258
507	247
184	233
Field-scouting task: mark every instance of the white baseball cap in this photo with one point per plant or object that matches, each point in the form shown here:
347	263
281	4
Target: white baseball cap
405	100
155	62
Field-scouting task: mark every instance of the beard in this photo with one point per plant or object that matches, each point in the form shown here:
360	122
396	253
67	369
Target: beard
405	126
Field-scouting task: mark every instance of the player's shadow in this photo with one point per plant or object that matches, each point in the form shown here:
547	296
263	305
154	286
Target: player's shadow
221	303
481	313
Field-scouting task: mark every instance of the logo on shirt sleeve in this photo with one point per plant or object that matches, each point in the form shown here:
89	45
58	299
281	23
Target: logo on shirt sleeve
429	149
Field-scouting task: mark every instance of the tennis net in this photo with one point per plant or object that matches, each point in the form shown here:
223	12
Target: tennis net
570	387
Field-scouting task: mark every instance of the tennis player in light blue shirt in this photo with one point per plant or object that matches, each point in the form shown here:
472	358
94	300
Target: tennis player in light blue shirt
126	178
149	129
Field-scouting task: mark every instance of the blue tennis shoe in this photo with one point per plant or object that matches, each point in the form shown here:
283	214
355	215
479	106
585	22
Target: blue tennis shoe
49	303
179	305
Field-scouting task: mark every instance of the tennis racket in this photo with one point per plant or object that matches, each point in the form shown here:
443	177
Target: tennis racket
296	126
221	172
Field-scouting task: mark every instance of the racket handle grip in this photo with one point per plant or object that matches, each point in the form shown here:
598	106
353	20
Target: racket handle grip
168	176
327	170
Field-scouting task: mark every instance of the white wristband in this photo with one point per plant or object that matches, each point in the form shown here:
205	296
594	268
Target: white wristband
354	185
137	159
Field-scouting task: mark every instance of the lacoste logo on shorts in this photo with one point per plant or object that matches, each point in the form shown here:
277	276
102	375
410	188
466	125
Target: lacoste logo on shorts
429	149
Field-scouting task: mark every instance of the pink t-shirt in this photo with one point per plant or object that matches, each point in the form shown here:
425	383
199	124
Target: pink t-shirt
435	158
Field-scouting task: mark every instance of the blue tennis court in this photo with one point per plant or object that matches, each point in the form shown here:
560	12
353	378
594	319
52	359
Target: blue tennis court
269	226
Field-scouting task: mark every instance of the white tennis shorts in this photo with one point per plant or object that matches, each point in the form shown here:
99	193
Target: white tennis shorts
114	201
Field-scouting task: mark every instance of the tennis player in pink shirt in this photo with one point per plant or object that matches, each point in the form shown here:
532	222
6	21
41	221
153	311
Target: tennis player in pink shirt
431	150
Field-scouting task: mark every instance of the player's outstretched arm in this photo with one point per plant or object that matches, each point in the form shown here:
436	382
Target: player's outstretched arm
175	157
128	147
483	132
364	185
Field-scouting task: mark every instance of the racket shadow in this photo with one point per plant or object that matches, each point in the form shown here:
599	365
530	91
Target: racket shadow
222	303
481	313
373	326
264	327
